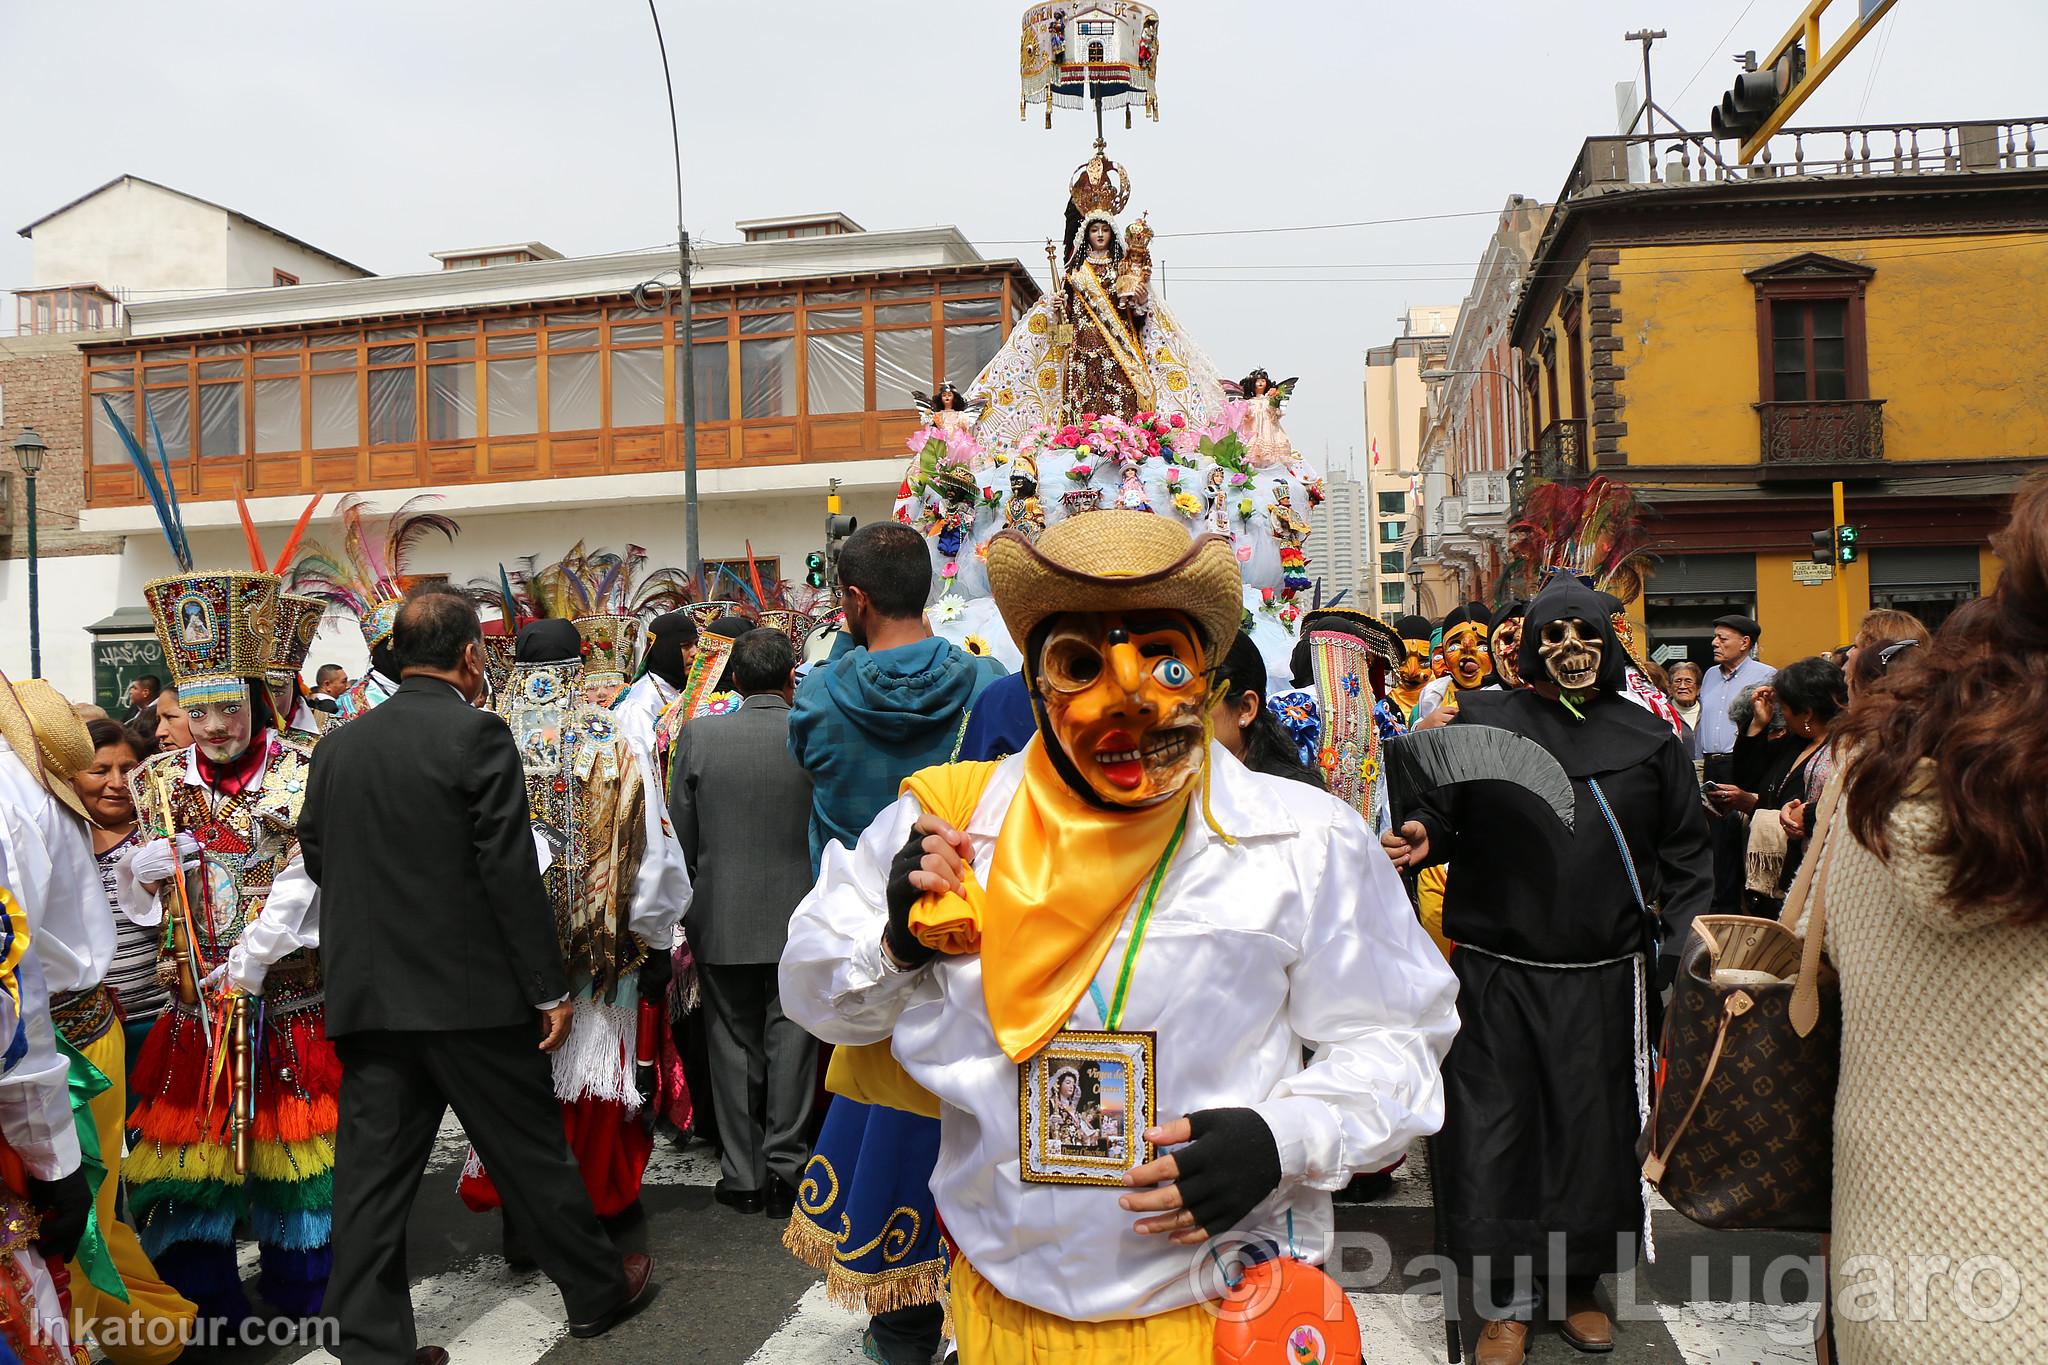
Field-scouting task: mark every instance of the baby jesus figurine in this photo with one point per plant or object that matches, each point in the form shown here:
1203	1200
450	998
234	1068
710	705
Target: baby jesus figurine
1134	272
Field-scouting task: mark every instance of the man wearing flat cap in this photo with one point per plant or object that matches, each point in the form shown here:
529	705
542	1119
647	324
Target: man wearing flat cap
1736	667
1103	956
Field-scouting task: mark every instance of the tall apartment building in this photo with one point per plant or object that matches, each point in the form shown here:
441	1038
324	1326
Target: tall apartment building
1395	407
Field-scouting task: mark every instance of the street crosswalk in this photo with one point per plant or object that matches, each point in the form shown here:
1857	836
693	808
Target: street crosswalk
473	1304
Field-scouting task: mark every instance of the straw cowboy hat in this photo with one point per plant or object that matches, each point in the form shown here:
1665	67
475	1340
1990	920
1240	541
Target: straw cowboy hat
1116	560
47	735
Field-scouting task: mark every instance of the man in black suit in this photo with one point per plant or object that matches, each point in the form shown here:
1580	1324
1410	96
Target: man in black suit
439	948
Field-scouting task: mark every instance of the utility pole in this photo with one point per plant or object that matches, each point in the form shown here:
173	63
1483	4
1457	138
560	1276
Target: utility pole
1648	38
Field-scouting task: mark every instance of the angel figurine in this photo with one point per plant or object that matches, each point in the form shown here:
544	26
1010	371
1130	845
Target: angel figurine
947	409
1267	445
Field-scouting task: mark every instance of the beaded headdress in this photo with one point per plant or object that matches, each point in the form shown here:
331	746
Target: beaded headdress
216	629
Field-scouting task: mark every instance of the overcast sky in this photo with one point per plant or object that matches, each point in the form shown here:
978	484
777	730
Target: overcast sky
385	129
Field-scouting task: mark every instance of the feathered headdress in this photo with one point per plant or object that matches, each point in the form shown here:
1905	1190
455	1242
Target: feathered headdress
369	577
586	583
1592	531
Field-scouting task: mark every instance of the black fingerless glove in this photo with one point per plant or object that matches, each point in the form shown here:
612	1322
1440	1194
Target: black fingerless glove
64	1204
903	944
657	971
1228	1169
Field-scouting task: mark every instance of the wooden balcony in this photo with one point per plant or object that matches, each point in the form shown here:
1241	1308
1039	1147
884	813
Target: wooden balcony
1815	440
1561	451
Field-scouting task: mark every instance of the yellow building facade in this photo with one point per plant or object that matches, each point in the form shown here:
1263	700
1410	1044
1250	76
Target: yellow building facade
1730	342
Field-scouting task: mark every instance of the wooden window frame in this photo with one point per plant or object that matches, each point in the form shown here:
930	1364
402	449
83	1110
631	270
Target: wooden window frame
541	327
281	278
1811	277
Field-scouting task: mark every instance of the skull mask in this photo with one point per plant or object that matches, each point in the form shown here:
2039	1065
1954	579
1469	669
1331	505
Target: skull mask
1571	650
1124	695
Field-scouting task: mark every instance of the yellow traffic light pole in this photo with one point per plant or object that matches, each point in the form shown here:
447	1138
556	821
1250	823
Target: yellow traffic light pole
1807	32
1841	578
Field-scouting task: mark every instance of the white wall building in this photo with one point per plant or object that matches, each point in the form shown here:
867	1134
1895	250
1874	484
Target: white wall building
538	399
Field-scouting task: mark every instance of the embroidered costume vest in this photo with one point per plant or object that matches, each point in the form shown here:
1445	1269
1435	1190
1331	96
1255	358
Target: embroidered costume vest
586	796
246	840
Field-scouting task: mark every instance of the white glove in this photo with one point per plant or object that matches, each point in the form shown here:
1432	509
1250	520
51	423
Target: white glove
159	860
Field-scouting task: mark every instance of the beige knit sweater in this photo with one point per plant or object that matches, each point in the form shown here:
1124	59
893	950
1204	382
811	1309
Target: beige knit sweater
1941	1125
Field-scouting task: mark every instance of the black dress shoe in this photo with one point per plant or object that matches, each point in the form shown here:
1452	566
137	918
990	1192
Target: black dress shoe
746	1201
781	1199
430	1355
640	1287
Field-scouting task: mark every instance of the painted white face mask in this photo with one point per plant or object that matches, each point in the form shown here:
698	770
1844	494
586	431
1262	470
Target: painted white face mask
1571	651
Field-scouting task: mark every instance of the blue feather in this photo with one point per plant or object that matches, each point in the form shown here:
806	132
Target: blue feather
511	602
170	484
166	520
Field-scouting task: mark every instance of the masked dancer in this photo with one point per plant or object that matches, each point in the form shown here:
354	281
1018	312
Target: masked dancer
1124	905
1558	970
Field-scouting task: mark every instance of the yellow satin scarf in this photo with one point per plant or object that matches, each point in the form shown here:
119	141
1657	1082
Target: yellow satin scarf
1063	874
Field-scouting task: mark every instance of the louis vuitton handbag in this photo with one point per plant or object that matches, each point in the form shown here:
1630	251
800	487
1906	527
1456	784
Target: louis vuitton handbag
1742	1132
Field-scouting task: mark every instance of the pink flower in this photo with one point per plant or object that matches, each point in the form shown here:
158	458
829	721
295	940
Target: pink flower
952	570
1088	418
1173	474
1178	421
1244	554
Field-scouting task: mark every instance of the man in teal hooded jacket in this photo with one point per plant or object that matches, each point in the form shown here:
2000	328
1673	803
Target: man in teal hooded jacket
892	699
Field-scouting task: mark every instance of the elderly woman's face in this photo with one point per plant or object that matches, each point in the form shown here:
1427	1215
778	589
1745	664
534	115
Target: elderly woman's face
104	786
1685	686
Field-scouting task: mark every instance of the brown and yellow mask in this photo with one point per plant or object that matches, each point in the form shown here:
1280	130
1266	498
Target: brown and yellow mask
1466	658
1414	673
1124	695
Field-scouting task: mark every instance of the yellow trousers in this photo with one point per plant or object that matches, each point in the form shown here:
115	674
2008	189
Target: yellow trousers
149	1329
994	1330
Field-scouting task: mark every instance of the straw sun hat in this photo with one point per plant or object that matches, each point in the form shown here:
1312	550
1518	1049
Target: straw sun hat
1117	560
46	733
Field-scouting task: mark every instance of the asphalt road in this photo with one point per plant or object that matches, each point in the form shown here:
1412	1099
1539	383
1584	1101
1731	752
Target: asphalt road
730	1295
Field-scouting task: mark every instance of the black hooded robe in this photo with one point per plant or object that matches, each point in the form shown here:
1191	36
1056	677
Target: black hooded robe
1541	1116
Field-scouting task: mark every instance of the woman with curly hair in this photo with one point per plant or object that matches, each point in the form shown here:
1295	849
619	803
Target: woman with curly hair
1935	881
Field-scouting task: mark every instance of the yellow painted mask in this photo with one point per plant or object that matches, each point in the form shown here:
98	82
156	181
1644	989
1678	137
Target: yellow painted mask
1124	697
1439	667
1465	655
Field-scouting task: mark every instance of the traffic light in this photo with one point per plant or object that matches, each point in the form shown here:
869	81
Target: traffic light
1756	93
1824	547
1845	544
814	568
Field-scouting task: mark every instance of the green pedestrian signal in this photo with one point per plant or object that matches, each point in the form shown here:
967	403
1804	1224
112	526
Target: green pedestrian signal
1845	544
814	566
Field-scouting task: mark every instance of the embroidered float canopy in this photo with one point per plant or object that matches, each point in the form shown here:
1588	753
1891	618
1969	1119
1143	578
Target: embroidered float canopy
1074	54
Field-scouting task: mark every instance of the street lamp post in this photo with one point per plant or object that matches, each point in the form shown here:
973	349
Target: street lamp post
29	450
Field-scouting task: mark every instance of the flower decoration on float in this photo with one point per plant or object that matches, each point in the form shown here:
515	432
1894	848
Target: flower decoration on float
976	645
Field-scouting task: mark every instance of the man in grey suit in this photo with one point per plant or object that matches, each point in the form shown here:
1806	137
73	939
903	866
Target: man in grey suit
742	809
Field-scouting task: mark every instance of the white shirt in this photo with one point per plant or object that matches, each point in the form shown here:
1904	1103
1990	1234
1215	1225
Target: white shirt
288	921
35	1093
1300	933
640	709
56	878
661	886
